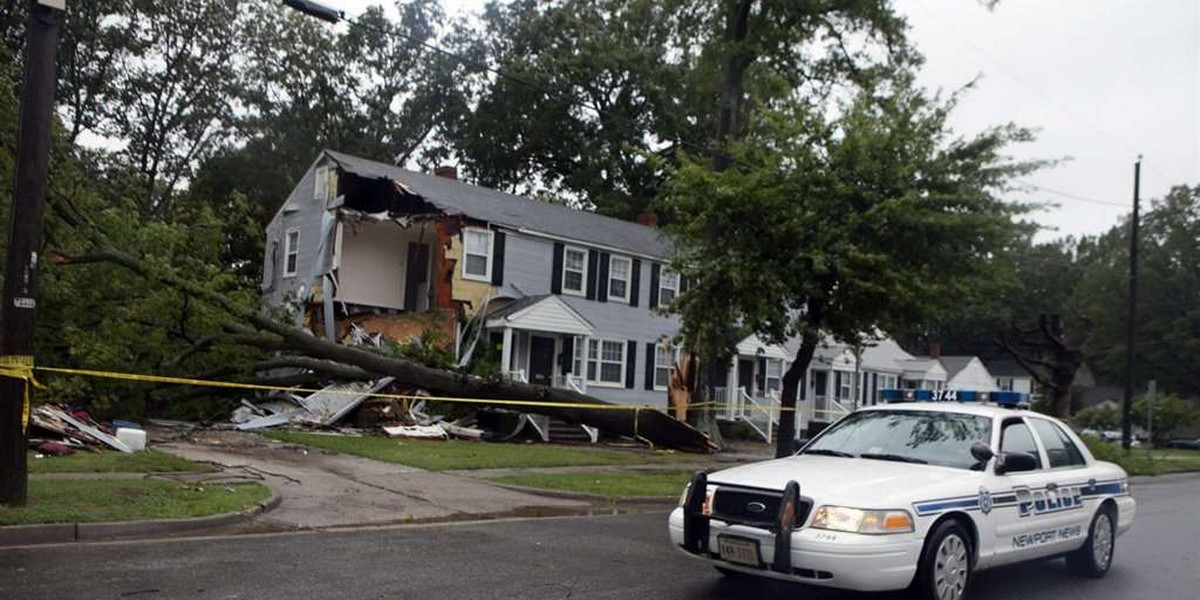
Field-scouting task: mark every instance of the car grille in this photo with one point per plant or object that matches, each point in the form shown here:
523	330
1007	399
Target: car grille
733	505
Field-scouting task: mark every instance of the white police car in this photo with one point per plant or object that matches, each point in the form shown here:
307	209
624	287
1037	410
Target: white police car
919	495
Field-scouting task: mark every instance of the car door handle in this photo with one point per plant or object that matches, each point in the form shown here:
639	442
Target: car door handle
1051	486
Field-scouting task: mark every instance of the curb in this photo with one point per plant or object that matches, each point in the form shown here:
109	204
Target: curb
61	533
582	495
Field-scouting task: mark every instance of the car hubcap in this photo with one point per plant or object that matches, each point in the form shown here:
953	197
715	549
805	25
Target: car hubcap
950	568
1102	541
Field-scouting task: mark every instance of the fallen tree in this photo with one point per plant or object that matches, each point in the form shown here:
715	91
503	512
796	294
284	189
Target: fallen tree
252	327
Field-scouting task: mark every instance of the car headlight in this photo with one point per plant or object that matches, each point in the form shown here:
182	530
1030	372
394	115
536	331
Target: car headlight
706	508
858	520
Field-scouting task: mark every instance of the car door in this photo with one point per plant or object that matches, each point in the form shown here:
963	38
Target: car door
1020	527
1069	509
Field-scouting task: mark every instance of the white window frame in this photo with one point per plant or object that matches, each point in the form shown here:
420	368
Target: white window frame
672	354
845	383
597	359
1005	384
578	364
629	275
662	280
582	291
767	378
321	189
487	275
290	250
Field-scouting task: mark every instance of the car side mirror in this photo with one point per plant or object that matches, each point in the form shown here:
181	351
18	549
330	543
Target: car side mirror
1016	462
982	452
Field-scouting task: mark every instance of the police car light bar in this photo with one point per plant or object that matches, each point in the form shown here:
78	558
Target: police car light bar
1008	399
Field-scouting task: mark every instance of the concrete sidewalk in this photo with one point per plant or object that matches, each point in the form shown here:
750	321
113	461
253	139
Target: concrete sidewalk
325	489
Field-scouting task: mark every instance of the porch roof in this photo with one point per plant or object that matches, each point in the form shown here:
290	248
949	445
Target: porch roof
541	313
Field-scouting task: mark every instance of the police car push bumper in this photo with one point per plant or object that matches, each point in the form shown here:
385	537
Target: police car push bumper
816	556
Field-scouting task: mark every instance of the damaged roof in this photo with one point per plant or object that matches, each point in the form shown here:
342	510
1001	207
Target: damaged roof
516	212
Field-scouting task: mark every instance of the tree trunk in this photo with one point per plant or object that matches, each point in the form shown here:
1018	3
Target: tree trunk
650	426
785	444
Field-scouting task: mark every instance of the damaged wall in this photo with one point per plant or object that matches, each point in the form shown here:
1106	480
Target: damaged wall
374	264
400	327
470	294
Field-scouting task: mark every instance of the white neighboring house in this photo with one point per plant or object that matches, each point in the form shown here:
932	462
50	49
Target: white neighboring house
1010	376
968	373
923	373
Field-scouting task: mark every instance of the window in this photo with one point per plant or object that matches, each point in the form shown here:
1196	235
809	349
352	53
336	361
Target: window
577	360
1060	450
668	286
665	359
325	184
606	362
1005	384
1015	437
574	270
773	382
937	438
291	252
619	269
845	381
477	254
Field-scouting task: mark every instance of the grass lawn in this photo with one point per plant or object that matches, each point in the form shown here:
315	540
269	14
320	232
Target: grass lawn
1144	461
103	501
455	454
112	461
607	483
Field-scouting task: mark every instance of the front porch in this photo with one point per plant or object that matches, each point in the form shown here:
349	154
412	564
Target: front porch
542	341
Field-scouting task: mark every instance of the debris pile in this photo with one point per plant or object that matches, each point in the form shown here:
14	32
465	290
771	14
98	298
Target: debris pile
56	431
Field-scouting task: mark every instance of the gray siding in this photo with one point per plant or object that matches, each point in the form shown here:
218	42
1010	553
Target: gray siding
308	218
528	267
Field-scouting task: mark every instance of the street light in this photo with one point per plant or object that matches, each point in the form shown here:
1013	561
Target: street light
316	9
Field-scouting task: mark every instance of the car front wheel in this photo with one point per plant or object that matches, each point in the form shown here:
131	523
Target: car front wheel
946	562
1095	556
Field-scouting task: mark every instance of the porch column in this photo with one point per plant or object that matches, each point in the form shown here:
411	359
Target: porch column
506	351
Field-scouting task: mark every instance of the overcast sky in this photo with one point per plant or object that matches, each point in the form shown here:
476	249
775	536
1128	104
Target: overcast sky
1102	80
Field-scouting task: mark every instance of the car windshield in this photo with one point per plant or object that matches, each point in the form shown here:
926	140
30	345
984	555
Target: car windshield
923	437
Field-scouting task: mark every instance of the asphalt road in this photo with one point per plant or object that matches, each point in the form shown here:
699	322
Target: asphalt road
579	557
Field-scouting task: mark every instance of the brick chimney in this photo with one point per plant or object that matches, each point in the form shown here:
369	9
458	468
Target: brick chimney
647	218
935	349
446	171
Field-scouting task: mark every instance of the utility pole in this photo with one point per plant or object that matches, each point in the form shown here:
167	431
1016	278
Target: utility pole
1131	323
1151	397
25	237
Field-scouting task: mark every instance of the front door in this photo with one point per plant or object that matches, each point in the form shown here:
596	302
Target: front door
541	360
746	375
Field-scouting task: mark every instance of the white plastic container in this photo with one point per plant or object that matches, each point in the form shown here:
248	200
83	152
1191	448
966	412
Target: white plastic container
134	438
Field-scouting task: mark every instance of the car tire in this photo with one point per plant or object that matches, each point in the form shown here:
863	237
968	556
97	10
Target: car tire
1094	558
947	563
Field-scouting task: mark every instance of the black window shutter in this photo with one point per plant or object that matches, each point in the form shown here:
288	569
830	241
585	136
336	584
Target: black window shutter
650	358
556	274
684	284
630	363
498	258
567	358
654	271
411	280
602	277
635	282
593	259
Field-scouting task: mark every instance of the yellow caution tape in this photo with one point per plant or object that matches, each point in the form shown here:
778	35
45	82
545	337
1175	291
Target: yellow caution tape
276	388
20	367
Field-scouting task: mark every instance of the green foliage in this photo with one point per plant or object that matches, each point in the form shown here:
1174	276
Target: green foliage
870	221
1101	418
1134	461
1171	414
1168	346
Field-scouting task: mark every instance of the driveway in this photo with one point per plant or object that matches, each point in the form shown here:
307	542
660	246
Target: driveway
323	489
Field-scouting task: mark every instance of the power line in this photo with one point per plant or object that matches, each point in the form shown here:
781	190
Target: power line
1072	196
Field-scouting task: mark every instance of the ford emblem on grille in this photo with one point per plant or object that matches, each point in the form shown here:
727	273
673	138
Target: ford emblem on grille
756	507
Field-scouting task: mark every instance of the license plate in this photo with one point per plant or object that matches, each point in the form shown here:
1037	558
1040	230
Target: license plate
738	550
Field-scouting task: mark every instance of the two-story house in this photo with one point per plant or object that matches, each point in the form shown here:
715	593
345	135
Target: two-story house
568	296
